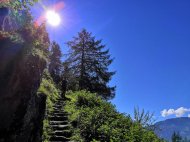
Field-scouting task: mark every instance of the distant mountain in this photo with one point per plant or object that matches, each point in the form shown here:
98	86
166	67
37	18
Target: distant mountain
165	129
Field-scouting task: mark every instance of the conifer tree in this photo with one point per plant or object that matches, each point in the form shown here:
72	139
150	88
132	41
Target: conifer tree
55	62
89	61
176	137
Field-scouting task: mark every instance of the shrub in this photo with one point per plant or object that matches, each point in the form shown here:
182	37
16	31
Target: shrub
96	120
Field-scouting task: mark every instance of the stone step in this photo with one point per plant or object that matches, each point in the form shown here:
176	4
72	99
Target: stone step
58	141
61	111
58	108
58	122
60	102
66	133
59	105
56	118
60	127
62	141
57	111
59	138
57	128
58	114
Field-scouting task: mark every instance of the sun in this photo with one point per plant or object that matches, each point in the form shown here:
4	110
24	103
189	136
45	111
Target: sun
53	18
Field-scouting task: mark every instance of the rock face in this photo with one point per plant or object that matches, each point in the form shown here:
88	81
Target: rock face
4	11
21	109
6	22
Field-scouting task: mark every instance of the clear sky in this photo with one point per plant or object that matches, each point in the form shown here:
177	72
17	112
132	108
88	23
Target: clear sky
150	41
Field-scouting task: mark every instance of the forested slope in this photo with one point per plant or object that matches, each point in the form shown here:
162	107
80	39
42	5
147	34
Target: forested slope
166	128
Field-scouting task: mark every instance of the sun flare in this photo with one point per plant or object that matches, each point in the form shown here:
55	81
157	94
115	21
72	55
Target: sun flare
53	18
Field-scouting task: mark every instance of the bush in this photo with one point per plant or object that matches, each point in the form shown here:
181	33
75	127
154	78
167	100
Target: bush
96	120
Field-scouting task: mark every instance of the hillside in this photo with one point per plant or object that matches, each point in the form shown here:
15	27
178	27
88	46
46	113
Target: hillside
167	127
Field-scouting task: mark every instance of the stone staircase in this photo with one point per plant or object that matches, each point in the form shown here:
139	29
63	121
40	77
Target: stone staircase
58	120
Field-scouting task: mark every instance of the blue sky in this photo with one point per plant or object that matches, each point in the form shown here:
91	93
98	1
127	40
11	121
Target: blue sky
149	40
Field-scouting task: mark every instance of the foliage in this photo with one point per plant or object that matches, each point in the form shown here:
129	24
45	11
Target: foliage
34	39
46	131
14	37
144	118
18	4
88	61
67	75
16	11
95	119
48	88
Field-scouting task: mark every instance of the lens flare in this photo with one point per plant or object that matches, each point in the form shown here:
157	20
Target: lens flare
49	15
53	18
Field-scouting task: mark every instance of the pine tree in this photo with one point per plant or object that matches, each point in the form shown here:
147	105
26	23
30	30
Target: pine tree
55	65
176	137
89	63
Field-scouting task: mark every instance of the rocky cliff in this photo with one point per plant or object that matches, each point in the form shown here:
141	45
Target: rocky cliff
22	109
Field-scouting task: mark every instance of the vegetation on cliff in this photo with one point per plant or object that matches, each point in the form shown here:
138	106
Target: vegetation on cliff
48	88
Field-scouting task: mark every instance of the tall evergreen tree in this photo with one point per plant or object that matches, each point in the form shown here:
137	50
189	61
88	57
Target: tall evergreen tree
55	62
89	61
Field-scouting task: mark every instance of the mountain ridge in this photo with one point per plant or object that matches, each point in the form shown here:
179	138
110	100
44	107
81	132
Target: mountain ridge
165	129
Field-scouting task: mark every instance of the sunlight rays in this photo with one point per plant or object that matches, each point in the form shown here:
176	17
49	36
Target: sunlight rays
53	18
50	14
